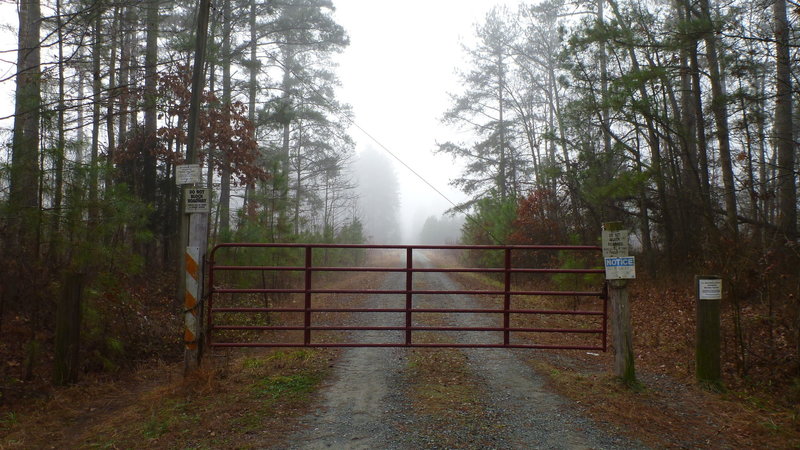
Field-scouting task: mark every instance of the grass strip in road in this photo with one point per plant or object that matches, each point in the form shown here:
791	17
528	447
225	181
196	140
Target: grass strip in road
442	385
448	400
445	393
440	381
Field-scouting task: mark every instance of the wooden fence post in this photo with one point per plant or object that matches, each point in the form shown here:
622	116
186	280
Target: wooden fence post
195	224
615	247
707	349
68	331
624	366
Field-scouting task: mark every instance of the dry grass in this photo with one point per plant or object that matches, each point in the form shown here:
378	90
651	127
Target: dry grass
240	398
246	401
670	410
444	393
665	413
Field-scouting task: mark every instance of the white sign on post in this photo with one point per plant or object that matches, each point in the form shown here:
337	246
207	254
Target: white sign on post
615	243
188	174
196	200
620	268
709	289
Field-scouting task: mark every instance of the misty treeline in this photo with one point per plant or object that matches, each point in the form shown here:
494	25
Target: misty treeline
87	181
678	118
445	229
379	196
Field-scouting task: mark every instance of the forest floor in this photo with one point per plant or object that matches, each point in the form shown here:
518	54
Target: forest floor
278	398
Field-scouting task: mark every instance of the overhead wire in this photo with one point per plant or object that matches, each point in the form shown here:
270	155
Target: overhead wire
333	106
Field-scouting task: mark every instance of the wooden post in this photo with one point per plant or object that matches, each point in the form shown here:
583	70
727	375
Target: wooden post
193	299
194	226
707	349
68	331
622	332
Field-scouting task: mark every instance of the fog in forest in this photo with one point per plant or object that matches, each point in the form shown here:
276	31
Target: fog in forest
378	196
393	212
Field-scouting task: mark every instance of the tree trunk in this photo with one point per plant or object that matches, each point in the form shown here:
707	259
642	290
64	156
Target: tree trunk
114	92
653	142
150	116
720	108
298	185
124	74
68	331
250	193
502	176
762	162
96	88
58	196
24	183
22	240
787	192
700	127
604	109
687	185
225	173
282	180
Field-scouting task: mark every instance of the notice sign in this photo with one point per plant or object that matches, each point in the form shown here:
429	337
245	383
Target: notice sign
709	289
187	174
615	243
196	200
620	268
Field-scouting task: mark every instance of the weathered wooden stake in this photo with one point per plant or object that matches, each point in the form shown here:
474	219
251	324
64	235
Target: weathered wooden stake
68	331
622	332
624	366
194	336
709	293
192	227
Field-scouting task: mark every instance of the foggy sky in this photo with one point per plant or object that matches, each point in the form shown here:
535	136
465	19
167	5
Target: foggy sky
397	73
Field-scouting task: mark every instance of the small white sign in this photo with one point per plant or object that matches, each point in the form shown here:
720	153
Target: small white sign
620	268
188	174
709	289
615	243
196	200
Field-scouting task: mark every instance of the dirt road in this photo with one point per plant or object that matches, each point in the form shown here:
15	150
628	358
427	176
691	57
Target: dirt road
367	404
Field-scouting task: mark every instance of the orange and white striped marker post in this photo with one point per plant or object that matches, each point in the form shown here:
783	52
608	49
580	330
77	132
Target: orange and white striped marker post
193	292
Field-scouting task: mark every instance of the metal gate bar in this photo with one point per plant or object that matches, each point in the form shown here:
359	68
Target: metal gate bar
308	291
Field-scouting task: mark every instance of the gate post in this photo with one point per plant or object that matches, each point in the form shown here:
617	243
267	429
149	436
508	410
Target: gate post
707	350
193	227
192	335
623	333
194	260
619	269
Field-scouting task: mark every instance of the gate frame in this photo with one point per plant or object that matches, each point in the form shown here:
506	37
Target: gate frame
308	291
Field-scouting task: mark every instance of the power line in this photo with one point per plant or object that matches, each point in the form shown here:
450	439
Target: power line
383	147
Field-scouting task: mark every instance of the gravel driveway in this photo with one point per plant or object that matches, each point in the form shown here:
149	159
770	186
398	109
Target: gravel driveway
366	404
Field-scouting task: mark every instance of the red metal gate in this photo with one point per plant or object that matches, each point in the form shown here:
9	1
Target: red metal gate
217	310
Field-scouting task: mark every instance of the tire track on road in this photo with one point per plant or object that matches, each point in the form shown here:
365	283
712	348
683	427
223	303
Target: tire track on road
366	405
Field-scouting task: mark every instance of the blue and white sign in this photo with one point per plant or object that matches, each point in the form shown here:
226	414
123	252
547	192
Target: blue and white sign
620	268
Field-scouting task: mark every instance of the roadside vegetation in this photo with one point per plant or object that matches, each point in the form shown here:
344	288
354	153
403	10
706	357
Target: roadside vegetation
669	407
678	119
242	401
243	398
